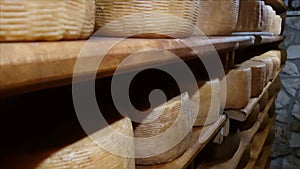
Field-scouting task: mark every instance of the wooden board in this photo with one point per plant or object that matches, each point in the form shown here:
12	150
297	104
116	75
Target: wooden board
198	143
258	144
31	66
277	5
246	137
242	114
262	162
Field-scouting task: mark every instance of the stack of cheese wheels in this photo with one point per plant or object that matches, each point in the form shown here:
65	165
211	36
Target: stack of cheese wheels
259	72
46	20
276	62
268	18
238	82
144	18
250	15
210	105
169	132
269	66
217	17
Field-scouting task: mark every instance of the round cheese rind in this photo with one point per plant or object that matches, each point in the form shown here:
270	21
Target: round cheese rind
238	82
170	118
217	17
210	102
258	71
269	66
87	154
46	20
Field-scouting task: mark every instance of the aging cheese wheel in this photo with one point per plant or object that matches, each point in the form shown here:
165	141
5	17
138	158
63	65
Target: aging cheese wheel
222	151
276	62
276	26
250	15
210	102
144	18
31	20
238	82
275	87
259	73
217	17
264	101
157	123
268	17
87	154
249	122
269	66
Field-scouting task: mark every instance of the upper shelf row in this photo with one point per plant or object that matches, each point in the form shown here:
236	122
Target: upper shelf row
32	66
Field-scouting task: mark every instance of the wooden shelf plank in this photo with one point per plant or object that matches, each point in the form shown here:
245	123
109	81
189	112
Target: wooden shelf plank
278	5
201	136
269	39
31	66
262	162
246	137
258	144
242	114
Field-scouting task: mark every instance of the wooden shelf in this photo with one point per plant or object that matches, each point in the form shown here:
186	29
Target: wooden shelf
246	137
201	136
242	114
268	39
33	66
262	162
258	143
278	5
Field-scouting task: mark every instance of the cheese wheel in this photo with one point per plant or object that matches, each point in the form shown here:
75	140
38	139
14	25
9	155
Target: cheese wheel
249	122
249	19
276	25
276	63
222	151
170	118
33	20
217	17
269	66
264	101
268	17
275	87
210	102
264	123
238	81
259	72
87	154
144	18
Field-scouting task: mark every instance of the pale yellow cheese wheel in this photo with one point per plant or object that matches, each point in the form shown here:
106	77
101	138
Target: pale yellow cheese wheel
86	154
217	17
269	65
31	20
238	81
259	72
276	62
159	123
210	102
276	26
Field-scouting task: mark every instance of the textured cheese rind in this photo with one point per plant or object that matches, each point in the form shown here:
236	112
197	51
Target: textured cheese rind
276	62
210	102
217	17
250	15
238	82
145	18
161	124
85	153
258	71
268	17
269	66
276	26
264	101
32	20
